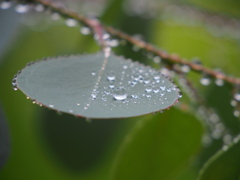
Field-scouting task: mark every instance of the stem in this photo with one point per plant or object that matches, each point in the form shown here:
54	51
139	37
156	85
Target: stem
142	44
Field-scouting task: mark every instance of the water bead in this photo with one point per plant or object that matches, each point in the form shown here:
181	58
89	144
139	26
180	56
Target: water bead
219	82
22	8
111	76
120	94
185	68
157	59
85	30
55	16
205	81
39	8
5	4
71	22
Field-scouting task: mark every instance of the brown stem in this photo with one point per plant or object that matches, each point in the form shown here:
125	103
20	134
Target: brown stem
142	44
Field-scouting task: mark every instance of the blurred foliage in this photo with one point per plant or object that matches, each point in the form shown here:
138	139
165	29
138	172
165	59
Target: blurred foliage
46	145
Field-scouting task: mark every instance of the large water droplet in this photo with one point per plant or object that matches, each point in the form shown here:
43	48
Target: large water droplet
120	94
111	76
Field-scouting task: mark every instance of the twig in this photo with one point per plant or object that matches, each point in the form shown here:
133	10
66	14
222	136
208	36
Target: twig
142	44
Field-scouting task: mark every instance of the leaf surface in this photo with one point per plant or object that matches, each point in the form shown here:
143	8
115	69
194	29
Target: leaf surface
96	87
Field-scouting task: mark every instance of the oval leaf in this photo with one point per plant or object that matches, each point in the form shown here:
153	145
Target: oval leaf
225	164
97	87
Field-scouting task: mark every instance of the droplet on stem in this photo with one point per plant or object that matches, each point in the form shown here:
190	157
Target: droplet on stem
85	30
22	8
71	22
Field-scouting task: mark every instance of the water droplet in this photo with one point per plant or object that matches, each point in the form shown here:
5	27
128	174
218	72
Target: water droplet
114	43
156	90
205	81
233	103
162	88
78	104
71	22
111	85
179	95
5	4
15	88
120	94
146	80
94	95
111	76
71	111
136	48
225	148
125	67
237	96
51	105
107	51
148	88
106	36
93	73
55	16
85	30
236	113
227	139
39	8
219	82
157	59
22	8
185	68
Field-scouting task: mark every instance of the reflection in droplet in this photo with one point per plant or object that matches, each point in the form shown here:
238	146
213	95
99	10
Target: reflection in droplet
120	94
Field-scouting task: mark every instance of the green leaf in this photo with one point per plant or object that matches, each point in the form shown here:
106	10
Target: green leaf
225	164
97	87
4	140
158	147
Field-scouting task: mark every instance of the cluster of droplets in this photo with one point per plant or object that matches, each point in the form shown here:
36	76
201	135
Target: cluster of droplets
235	102
133	84
14	81
190	16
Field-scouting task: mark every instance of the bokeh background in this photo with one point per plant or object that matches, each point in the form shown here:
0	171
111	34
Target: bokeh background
38	143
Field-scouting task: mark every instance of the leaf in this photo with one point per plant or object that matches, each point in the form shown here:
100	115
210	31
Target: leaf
4	140
96	87
158	147
225	164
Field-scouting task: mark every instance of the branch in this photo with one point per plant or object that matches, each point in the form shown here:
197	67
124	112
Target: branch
173	58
